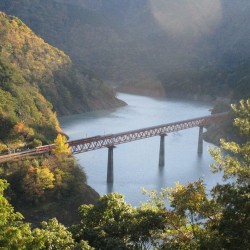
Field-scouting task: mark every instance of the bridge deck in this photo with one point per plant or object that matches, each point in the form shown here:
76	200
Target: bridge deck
97	142
106	141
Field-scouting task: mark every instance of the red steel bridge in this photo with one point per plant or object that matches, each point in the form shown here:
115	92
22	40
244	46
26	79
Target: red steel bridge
111	140
106	141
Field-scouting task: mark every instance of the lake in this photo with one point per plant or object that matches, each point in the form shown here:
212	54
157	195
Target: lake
136	163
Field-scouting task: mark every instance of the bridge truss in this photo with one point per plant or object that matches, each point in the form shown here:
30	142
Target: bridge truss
108	141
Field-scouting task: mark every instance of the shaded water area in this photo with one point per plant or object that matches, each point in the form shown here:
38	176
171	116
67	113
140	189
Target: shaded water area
136	163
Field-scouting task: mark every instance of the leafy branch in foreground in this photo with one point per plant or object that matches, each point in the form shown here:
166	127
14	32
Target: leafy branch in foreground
234	160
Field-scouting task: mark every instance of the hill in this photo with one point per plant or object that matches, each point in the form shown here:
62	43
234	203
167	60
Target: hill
34	75
180	48
30	70
50	70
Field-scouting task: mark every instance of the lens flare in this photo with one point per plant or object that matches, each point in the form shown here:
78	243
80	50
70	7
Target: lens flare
191	18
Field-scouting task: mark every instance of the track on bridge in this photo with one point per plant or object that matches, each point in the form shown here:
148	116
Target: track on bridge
107	141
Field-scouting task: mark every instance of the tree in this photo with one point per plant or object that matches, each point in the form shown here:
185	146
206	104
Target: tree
14	234
114	224
105	225
195	219
234	160
17	235
52	236
62	148
37	180
188	219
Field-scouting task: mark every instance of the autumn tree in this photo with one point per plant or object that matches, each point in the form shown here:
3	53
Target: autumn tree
37	180
61	148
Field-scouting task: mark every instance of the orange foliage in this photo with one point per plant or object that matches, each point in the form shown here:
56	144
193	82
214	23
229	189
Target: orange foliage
21	129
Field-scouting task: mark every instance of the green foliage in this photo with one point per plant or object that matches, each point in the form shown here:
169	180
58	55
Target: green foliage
47	187
25	115
17	235
114	224
36	143
194	219
14	234
49	70
37	180
234	160
188	221
242	120
105	225
30	71
52	236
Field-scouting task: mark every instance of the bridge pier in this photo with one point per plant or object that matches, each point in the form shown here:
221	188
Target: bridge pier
162	151
110	167
200	140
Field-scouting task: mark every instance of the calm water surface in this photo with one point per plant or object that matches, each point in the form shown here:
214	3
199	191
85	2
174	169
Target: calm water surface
136	163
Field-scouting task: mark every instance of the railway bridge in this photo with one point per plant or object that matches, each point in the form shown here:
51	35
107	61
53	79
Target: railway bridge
111	140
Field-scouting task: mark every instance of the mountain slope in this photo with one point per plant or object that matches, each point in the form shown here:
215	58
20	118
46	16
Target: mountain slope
27	66
49	69
186	46
26	117
34	75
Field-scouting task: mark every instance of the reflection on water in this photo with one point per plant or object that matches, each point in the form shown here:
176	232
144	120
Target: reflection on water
136	163
109	188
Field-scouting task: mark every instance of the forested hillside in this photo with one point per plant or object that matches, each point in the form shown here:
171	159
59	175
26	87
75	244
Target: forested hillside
31	73
51	71
180	48
37	80
26	117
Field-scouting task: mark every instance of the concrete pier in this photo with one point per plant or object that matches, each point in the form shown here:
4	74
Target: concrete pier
200	141
162	151
110	167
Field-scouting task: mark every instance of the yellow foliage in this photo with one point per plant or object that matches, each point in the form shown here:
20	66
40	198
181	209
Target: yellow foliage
61	146
37	180
45	178
3	147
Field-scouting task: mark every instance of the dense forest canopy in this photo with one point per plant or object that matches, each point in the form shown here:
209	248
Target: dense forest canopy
181	48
